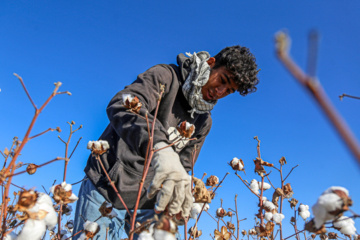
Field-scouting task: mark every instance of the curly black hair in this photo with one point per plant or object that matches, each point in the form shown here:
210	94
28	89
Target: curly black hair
241	63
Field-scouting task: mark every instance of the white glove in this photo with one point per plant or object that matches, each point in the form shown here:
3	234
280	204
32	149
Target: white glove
175	192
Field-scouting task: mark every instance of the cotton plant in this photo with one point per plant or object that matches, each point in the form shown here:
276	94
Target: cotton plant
304	211
62	193
162	229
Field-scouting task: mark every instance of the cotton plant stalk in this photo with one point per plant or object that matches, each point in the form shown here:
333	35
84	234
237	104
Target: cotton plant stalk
8	172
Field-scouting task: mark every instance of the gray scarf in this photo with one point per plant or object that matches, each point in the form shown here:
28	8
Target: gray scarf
197	78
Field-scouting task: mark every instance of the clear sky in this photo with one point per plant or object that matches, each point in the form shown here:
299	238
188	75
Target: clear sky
95	48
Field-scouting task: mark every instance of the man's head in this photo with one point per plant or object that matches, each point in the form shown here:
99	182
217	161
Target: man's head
232	69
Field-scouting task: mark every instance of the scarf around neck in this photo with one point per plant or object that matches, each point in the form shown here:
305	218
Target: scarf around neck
197	78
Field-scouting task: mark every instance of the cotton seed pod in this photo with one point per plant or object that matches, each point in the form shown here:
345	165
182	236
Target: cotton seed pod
293	202
237	164
62	193
282	161
288	192
186	129
31	168
98	147
201	194
332	235
243	232
212	181
220	212
91	229
323	237
166	224
27	200
310	226
252	231
276	196
194	232
229	213
105	209
230	226
132	103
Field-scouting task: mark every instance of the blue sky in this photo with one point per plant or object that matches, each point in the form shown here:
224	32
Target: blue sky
95	48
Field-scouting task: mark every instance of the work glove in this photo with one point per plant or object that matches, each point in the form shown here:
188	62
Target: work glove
171	182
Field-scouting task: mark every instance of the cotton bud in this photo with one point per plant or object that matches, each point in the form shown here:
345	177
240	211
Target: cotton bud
252	231
98	147
194	232
288	192
31	168
304	211
212	181
345	225
91	229
293	202
62	193
332	235
278	217
106	210
331	204
229	213
132	103
186	129
230	226
237	164
265	187
254	186
220	212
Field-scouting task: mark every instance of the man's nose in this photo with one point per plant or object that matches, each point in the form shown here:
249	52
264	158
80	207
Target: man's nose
220	91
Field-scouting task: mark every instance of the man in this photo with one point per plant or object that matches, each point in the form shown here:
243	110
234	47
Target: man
191	91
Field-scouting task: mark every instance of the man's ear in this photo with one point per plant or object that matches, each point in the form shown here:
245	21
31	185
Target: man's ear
211	62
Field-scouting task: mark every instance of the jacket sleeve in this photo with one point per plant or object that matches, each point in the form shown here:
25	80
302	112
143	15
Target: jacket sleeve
130	127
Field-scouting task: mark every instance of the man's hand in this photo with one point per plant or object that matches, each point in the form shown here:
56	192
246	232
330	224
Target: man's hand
175	193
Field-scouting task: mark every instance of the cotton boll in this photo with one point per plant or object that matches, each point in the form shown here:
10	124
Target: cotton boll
278	217
268	216
73	197
254	186
33	229
346	225
304	211
326	203
266	186
44	202
195	210
127	97
104	144
163	235
269	205
11	236
97	145
145	235
91	226
349	230
90	144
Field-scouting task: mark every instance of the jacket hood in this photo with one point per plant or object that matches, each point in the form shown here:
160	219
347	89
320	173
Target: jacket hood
184	65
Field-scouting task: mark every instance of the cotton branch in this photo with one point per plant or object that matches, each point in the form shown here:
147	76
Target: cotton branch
316	90
349	96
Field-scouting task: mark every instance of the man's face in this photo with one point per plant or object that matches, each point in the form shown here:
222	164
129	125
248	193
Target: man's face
219	85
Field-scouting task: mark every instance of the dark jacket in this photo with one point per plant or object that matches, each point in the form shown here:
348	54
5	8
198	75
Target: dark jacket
127	133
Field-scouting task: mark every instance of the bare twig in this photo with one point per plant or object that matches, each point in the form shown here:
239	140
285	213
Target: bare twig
25	89
75	147
347	95
316	90
290	172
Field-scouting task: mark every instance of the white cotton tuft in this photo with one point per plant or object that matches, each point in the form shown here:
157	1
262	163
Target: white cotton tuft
33	229
67	187
163	235
330	189
44	203
127	97
268	216
264	199
266	186
97	145
252	231
196	209
104	144
11	236
52	189
90	144
236	162
145	235
269	205
73	197
346	225
254	186
278	217
326	203
91	226
304	211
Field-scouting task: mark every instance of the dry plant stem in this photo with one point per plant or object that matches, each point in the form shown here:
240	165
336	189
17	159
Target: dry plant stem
295	226
237	219
11	167
293	234
39	166
346	95
47	130
112	184
281	199
290	172
316	90
148	159
246	184
75	147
